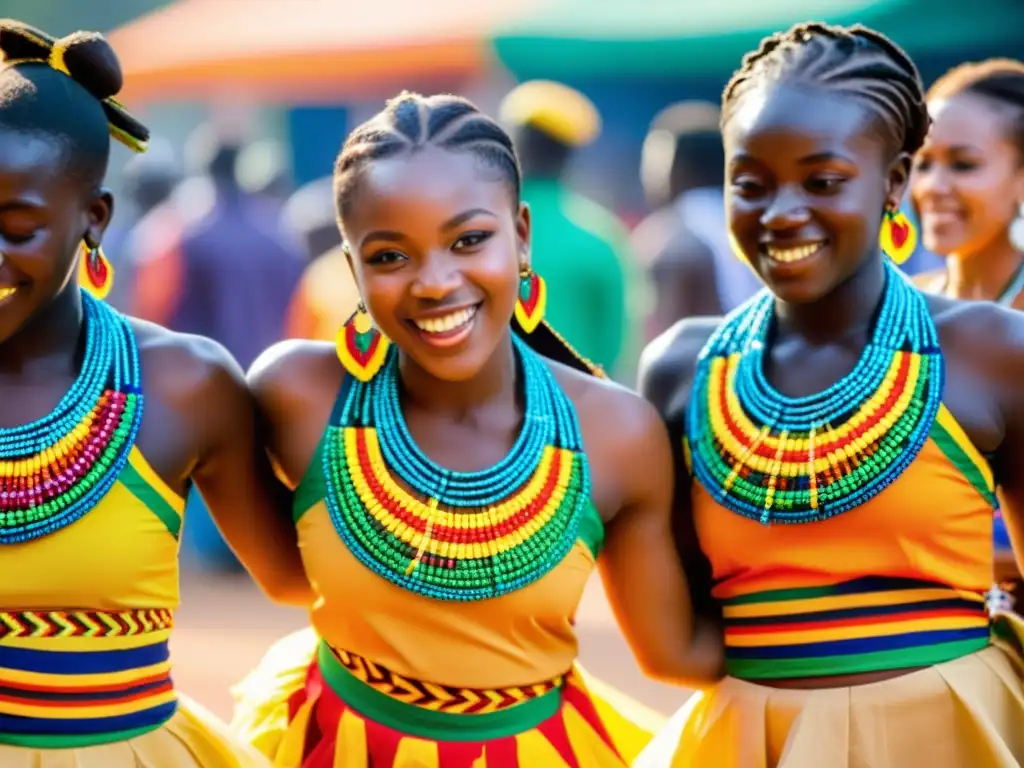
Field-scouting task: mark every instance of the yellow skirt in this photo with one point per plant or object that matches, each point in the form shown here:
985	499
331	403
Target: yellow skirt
192	738
274	710
966	713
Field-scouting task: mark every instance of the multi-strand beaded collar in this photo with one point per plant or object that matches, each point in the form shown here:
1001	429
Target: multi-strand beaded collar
774	458
56	469
450	535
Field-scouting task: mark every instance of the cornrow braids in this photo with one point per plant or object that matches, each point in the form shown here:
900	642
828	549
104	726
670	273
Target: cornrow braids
410	122
855	61
1001	80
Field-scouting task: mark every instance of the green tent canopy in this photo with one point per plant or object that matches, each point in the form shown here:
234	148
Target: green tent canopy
678	39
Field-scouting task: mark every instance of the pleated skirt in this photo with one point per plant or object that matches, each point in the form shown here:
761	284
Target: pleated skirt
966	713
192	738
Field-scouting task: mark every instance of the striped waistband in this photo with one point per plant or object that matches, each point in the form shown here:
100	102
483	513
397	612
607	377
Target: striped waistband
436	711
864	625
77	678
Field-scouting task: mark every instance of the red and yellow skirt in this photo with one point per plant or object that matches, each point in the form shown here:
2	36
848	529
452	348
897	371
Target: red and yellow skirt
342	710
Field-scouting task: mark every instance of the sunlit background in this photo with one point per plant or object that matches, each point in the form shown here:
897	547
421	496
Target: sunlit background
289	78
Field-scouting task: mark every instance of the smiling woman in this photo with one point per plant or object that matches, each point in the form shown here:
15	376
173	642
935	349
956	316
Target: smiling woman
104	428
455	488
968	182
842	437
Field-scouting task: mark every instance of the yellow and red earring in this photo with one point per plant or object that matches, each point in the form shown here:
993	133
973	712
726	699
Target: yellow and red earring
361	348
532	301
95	273
898	236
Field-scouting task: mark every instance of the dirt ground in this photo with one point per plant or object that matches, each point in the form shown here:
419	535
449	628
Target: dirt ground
225	625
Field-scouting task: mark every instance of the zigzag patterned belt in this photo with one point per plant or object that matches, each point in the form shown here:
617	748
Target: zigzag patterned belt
440	698
83	623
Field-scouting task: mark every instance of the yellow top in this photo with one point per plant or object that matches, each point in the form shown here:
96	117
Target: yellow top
896	582
518	639
85	616
122	555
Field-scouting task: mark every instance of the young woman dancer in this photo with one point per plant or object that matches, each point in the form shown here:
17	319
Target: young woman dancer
845	435
104	423
455	486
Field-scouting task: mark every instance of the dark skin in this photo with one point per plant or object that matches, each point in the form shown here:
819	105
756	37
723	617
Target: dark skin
432	232
798	173
199	423
967	185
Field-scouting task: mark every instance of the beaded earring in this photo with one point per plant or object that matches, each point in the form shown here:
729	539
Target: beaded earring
898	236
361	348
95	273
533	298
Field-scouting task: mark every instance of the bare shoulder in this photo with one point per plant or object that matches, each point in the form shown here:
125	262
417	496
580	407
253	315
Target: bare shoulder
984	336
295	373
616	410
668	363
181	367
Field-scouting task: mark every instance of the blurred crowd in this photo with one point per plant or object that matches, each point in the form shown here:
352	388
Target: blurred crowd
220	243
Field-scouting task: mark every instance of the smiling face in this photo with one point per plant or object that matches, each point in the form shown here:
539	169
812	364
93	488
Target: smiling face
809	175
44	214
437	243
968	178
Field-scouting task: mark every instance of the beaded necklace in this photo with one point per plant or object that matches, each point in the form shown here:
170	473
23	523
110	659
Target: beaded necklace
57	468
448	535
774	458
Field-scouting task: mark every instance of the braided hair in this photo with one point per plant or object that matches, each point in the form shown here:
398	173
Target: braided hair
1000	80
411	122
65	88
855	61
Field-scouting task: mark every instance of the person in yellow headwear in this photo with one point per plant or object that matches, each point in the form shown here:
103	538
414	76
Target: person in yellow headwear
580	247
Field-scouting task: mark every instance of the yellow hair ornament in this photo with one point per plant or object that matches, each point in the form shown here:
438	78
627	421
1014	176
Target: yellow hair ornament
56	58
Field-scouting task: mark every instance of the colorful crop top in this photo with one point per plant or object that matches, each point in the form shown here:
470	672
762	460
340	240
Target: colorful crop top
897	582
523	557
85	617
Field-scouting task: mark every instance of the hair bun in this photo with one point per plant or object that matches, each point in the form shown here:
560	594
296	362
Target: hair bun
21	41
92	63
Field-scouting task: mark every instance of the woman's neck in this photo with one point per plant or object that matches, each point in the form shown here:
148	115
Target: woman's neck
983	275
847	309
495	382
48	344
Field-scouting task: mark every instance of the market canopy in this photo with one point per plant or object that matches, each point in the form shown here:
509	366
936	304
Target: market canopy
673	38
305	49
298	50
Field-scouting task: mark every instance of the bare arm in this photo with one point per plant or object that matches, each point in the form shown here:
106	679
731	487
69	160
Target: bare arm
665	379
642	575
250	507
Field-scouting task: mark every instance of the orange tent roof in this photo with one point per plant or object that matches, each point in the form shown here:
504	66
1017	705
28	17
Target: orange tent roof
304	49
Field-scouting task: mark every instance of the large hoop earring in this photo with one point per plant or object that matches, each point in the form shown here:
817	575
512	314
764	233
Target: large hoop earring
532	300
360	347
95	272
898	236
